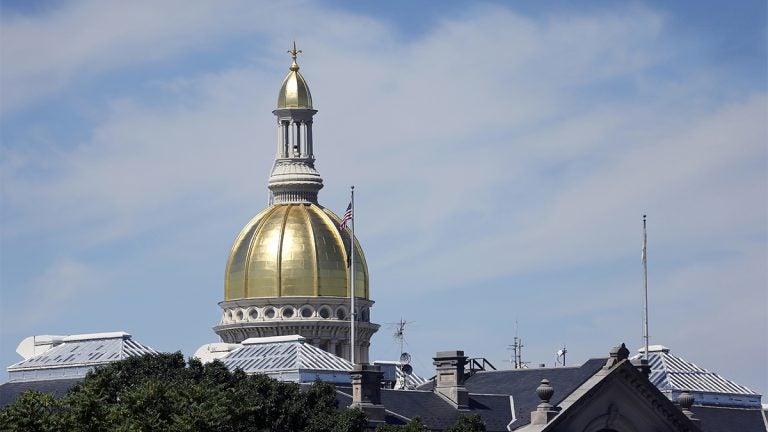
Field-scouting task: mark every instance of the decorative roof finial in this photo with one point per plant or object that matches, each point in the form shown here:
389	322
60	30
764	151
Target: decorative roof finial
293	52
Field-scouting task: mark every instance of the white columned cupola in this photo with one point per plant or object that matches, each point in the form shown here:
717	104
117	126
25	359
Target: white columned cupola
294	177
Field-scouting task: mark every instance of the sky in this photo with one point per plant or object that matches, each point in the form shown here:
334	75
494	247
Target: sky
503	154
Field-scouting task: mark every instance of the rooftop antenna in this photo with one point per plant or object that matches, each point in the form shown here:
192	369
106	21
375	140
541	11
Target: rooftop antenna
517	351
405	359
644	257
400	333
561	355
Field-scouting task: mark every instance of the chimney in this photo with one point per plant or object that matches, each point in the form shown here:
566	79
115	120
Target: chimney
450	377
366	392
618	354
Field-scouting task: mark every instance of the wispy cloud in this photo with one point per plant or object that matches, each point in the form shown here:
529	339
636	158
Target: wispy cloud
58	288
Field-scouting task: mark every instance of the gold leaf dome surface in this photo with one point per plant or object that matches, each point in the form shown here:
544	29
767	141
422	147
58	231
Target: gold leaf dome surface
294	93
293	250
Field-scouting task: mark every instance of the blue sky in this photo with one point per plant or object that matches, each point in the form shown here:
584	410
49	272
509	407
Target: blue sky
503	154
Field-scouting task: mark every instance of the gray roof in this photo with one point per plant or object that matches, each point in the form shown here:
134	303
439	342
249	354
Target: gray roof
435	412
288	358
672	374
73	356
521	384
503	398
10	391
723	419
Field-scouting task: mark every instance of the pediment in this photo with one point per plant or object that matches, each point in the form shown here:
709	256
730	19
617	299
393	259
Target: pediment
620	399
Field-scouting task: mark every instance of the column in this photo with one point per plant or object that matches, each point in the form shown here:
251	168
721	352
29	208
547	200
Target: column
297	147
286	139
310	150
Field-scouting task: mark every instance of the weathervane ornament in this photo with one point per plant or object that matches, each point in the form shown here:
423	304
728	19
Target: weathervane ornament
294	52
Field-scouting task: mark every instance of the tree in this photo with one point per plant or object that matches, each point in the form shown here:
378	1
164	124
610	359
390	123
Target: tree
471	423
163	392
415	425
33	411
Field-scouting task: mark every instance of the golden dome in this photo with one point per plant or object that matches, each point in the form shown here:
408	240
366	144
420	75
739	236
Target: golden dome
293	250
294	93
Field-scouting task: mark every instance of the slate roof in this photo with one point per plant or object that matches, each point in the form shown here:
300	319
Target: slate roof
489	396
9	391
435	412
522	383
722	419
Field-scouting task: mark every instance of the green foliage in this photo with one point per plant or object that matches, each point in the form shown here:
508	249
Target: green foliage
415	425
33	411
163	392
471	423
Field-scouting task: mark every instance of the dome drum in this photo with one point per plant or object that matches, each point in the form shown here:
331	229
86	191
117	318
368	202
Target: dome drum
292	309
264	317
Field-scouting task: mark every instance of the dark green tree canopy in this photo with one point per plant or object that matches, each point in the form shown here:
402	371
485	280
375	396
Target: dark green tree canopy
165	393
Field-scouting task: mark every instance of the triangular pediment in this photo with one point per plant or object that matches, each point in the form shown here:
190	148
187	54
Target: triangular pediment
617	399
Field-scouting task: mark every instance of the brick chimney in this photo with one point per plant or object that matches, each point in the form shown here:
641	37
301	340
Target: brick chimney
366	392
450	377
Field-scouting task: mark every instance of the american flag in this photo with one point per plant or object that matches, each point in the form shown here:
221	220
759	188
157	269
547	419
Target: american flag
347	217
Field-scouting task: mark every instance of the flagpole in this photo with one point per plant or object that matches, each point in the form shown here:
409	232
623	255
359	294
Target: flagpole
645	287
352	283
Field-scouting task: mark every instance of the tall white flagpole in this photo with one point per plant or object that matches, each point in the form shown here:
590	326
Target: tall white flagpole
645	287
353	315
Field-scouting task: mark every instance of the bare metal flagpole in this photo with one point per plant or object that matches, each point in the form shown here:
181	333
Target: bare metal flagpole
352	282
645	286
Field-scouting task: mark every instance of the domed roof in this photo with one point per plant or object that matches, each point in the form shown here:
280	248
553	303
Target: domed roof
294	93
293	250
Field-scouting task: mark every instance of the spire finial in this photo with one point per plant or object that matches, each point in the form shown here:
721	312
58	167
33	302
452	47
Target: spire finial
294	52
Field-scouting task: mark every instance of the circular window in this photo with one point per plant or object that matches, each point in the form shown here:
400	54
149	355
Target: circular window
240	315
269	313
341	313
325	313
228	315
254	314
306	312
366	315
288	312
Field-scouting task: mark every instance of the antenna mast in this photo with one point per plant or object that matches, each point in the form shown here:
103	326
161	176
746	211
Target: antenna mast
400	333
517	351
561	354
645	286
405	358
